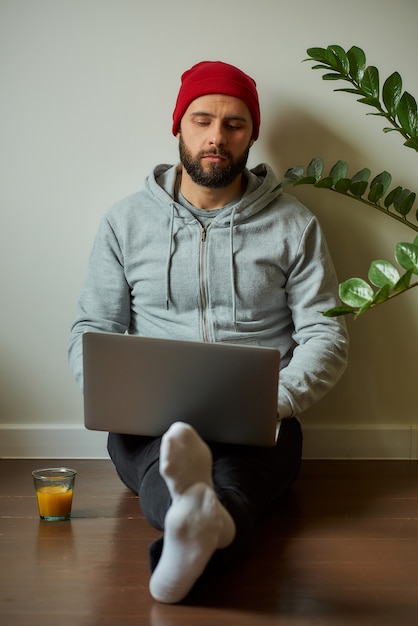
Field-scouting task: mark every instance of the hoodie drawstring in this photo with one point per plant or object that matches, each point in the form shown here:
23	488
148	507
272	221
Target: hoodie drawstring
232	268
231	264
168	265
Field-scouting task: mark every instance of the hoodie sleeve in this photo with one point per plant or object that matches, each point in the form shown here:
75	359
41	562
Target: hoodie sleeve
104	302
321	343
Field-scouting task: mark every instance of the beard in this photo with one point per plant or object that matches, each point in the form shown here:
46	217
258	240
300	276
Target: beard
215	176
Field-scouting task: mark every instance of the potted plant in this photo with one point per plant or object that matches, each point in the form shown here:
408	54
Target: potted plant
399	109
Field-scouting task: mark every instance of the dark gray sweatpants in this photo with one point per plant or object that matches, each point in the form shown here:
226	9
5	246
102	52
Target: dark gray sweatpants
248	480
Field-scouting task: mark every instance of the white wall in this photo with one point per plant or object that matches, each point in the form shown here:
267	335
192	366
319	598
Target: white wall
88	88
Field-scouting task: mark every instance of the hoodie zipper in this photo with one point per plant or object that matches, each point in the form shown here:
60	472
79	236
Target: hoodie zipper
202	282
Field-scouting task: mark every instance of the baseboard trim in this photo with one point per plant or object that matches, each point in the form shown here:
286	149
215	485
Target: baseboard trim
51	441
382	441
68	441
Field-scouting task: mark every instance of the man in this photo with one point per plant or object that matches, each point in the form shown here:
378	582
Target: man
212	251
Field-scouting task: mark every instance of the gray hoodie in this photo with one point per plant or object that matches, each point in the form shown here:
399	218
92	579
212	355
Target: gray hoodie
260	273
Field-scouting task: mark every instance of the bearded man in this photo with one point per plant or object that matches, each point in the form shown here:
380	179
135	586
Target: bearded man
212	251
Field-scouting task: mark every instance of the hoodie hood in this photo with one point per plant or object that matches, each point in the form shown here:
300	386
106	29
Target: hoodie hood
262	189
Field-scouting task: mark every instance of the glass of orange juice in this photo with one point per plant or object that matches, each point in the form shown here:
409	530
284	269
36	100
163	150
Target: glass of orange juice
54	491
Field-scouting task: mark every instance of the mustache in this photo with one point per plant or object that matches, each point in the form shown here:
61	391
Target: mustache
215	152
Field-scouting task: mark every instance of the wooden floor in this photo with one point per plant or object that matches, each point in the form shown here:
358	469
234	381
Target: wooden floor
342	550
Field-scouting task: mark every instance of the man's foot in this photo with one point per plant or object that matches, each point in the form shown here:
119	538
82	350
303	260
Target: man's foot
185	459
196	524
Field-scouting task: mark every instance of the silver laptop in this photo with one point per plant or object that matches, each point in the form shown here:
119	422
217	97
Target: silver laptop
141	385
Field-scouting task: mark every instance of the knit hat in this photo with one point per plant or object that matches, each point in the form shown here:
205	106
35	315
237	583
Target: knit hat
213	77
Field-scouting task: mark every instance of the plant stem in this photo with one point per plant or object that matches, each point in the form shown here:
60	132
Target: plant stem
383	210
394	295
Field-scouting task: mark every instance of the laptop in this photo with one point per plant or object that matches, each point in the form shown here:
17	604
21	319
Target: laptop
141	385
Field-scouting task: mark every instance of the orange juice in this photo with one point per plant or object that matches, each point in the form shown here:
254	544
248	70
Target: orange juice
54	501
54	491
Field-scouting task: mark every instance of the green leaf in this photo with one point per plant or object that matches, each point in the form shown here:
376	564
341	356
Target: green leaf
358	188
342	62
382	295
294	173
404	202
407	114
373	102
348	90
370	82
357	61
306	180
407	204
379	186
404	281
338	171
339	310
366	306
384	178
363	174
391	93
315	168
406	255
342	185
320	54
355	292
391	197
332	77
412	143
324	183
383	273
376	192
318	67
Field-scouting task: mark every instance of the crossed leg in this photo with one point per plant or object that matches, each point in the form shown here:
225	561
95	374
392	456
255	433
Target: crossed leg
196	524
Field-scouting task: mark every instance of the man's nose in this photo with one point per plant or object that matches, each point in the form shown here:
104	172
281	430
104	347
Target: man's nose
217	135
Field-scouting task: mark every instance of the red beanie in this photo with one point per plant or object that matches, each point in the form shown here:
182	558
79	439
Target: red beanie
213	77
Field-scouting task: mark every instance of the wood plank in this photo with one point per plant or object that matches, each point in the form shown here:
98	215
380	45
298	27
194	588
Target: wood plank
341	550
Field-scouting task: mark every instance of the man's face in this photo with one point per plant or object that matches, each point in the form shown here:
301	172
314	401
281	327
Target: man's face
215	139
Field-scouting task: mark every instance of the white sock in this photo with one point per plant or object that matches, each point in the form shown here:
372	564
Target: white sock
185	459
196	524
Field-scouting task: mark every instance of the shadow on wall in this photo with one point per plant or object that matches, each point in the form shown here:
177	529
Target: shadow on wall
296	136
378	386
294	139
